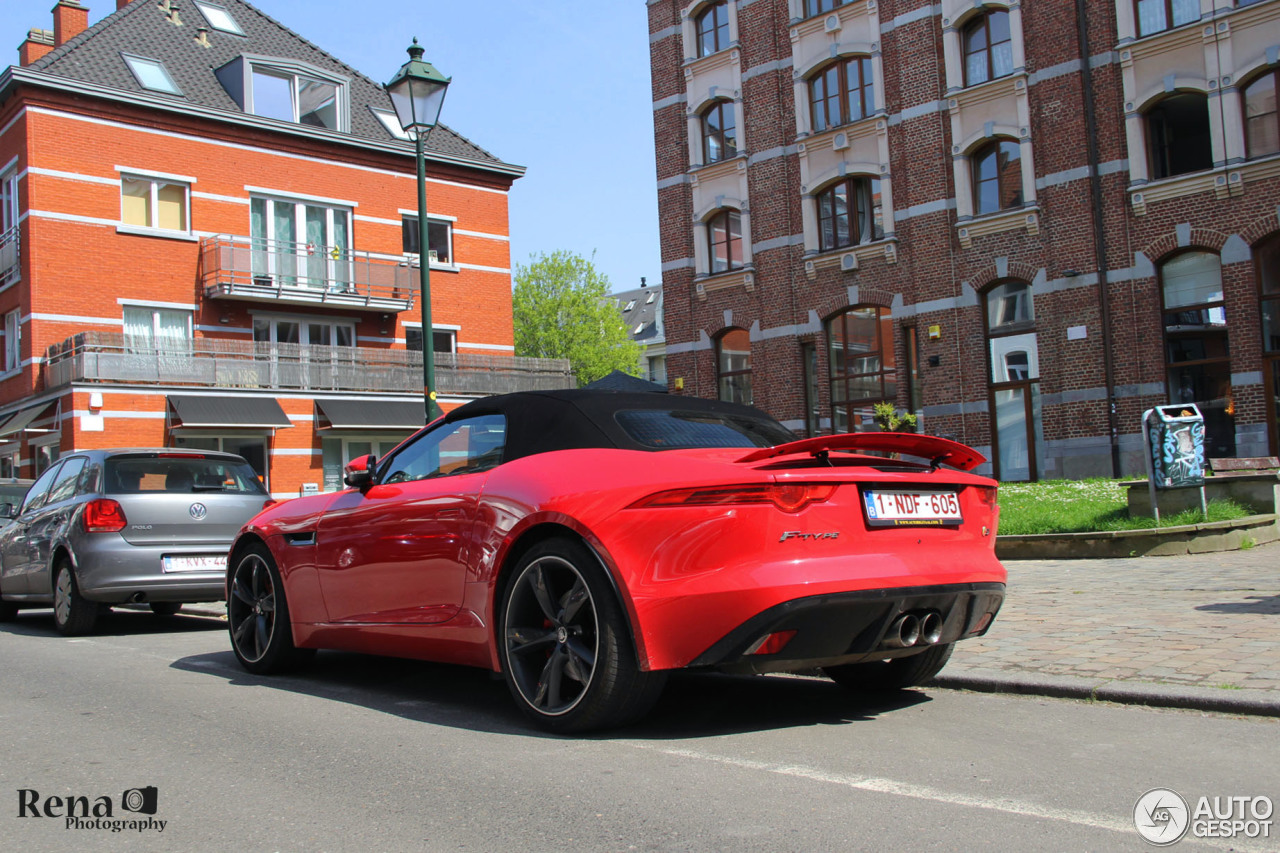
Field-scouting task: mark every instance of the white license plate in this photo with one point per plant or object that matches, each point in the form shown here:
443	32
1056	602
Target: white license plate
904	509
196	563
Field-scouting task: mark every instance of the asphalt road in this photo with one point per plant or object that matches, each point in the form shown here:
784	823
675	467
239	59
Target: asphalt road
366	754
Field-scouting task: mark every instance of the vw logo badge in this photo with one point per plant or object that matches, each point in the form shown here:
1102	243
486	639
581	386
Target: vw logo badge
198	511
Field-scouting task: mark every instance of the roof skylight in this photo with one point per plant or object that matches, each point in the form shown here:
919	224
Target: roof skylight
218	17
392	124
151	74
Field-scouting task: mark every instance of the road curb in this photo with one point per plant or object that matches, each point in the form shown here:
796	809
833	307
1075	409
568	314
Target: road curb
1259	703
1203	538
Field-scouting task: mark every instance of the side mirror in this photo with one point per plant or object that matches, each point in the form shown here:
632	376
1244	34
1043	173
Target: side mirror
358	473
8	511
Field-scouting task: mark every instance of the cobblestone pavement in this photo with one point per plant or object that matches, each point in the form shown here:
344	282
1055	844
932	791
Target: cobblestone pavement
1206	620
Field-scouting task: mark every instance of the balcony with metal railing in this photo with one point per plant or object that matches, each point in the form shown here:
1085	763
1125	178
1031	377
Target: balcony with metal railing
10	256
112	357
280	272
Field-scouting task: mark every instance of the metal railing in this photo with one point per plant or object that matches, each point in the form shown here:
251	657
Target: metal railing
214	363
304	273
10	256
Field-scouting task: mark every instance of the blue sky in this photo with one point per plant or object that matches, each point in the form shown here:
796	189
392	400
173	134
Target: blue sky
559	87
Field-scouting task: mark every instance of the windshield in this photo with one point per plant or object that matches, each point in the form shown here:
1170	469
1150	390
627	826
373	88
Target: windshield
672	429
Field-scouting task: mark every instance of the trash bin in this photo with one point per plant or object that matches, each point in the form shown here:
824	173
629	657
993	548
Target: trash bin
1175	445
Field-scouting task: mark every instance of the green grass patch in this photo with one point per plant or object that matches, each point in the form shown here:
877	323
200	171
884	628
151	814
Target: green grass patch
1084	506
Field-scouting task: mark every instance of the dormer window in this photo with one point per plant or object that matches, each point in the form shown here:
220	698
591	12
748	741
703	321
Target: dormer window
293	97
218	17
287	90
151	74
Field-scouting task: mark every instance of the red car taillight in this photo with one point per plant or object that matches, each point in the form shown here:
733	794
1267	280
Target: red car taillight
269	502
986	495
791	497
103	516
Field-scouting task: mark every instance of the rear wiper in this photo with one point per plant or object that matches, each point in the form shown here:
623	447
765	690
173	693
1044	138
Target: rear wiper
199	488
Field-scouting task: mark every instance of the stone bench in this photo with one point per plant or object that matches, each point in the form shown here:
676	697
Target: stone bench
1245	465
1250	484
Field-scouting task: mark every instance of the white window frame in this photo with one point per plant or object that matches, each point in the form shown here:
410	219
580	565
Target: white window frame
12	343
155	323
304	331
294	71
11	453
300	255
156	181
175	435
451	331
433	219
9	199
38	444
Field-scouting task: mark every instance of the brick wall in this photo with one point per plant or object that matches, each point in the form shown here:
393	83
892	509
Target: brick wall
935	279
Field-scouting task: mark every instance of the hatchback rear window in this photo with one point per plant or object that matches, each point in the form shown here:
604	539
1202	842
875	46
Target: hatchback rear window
181	474
671	429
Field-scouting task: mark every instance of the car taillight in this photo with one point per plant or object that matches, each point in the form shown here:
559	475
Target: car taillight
269	502
790	497
103	516
986	495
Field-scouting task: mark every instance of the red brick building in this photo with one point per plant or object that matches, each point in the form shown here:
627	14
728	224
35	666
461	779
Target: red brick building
209	240
944	206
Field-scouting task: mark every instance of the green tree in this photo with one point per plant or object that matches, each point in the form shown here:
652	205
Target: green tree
562	310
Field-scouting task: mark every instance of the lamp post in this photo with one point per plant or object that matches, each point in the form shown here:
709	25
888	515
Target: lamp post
417	93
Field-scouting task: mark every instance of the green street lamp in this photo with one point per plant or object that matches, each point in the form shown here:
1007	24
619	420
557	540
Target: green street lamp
417	93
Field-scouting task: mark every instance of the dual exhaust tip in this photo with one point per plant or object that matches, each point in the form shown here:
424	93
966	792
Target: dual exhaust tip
914	629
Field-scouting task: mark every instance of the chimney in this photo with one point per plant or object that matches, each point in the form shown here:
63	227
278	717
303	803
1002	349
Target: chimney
39	42
120	4
70	19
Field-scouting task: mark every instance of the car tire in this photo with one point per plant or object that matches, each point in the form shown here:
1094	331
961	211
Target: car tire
165	608
892	674
258	615
564	645
8	611
73	615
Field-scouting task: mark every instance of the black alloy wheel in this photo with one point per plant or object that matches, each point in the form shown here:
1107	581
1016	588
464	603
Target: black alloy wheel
565	647
258	615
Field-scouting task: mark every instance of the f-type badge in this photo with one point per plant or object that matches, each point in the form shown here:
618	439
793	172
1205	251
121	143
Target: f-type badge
796	534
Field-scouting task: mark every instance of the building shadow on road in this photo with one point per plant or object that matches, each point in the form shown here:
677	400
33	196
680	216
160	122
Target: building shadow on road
119	622
1265	604
693	705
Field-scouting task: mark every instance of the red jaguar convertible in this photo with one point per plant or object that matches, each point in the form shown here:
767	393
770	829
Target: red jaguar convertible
586	543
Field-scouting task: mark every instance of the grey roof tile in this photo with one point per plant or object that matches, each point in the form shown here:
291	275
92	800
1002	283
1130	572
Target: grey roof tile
644	314
142	28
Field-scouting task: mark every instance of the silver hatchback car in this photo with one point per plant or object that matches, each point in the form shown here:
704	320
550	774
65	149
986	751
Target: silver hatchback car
104	527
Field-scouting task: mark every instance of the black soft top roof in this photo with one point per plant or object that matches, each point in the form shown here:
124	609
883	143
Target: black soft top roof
569	419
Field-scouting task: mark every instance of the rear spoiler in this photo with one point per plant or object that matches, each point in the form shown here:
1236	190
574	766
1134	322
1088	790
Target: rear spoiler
939	451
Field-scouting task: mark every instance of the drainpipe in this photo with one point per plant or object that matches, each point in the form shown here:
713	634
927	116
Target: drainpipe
1099	231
